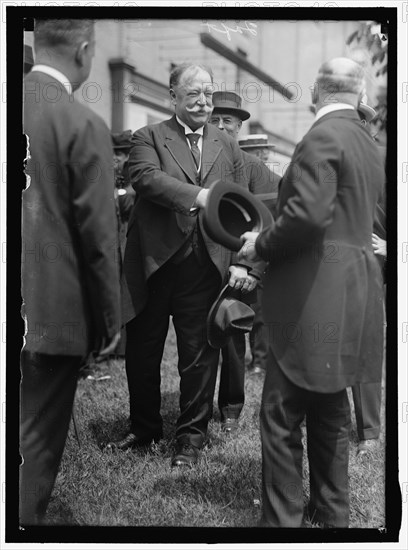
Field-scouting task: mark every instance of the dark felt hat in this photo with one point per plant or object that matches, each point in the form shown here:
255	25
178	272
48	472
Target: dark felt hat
253	141
28	58
228	316
230	211
122	140
229	102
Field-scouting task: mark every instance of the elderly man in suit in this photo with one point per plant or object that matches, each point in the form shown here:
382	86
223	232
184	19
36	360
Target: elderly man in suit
171	266
70	280
228	116
321	302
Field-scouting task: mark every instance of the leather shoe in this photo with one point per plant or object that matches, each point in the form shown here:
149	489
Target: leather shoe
186	455
131	441
366	446
229	425
257	370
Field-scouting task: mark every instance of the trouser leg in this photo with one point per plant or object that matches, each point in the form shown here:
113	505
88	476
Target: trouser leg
145	340
47	393
231	394
367	408
282	411
328	426
258	337
197	287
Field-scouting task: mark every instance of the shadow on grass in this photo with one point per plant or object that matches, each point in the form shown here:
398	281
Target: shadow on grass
105	430
215	484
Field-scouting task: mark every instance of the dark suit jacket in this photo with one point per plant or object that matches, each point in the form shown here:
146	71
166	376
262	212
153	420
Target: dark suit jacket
261	181
70	285
261	178
163	174
322	295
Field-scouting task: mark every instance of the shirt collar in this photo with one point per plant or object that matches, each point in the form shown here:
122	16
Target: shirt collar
188	130
55	73
331	108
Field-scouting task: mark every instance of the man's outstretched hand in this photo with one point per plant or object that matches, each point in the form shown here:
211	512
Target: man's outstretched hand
248	251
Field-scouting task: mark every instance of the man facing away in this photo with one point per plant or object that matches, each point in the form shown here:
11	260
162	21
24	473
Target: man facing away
70	280
171	266
228	116
321	302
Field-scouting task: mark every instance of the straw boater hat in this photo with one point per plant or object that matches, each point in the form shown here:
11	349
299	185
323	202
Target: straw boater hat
229	102
367	112
254	141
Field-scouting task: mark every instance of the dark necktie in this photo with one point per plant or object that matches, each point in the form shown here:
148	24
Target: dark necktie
193	139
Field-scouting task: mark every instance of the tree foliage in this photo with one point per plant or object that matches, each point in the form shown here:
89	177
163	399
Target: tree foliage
369	38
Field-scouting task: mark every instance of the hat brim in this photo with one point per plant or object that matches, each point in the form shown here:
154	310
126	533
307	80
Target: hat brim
368	112
257	146
230	211
217	338
240	113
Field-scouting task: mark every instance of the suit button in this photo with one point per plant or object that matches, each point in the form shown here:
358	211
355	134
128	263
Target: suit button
198	179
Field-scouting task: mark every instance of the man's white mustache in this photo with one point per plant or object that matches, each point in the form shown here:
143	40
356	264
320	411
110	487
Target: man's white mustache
195	110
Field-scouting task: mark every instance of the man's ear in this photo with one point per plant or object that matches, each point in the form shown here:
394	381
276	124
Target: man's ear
314	93
173	97
239	125
81	52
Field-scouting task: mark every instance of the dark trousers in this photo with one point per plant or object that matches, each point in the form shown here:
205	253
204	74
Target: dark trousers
367	403
47	393
258	337
367	408
283	408
231	394
185	291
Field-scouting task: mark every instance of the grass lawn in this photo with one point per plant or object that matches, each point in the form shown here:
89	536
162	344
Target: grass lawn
99	488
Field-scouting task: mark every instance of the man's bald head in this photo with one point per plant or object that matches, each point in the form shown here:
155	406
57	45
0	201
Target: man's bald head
340	80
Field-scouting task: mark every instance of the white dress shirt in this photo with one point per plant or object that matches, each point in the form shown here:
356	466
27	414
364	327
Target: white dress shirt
330	108
188	130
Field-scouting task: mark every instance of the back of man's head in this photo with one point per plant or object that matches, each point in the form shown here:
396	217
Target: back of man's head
67	45
339	80
62	34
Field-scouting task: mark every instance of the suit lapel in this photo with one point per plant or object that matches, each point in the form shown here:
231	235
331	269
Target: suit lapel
176	143
211	150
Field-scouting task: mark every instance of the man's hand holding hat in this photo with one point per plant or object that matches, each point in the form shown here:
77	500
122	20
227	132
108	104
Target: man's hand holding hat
248	250
240	279
201	199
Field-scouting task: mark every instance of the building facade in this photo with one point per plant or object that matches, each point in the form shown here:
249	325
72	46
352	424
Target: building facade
271	64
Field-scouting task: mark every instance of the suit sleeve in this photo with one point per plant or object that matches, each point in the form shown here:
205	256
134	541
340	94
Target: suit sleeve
261	181
308	192
151	182
96	223
242	177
